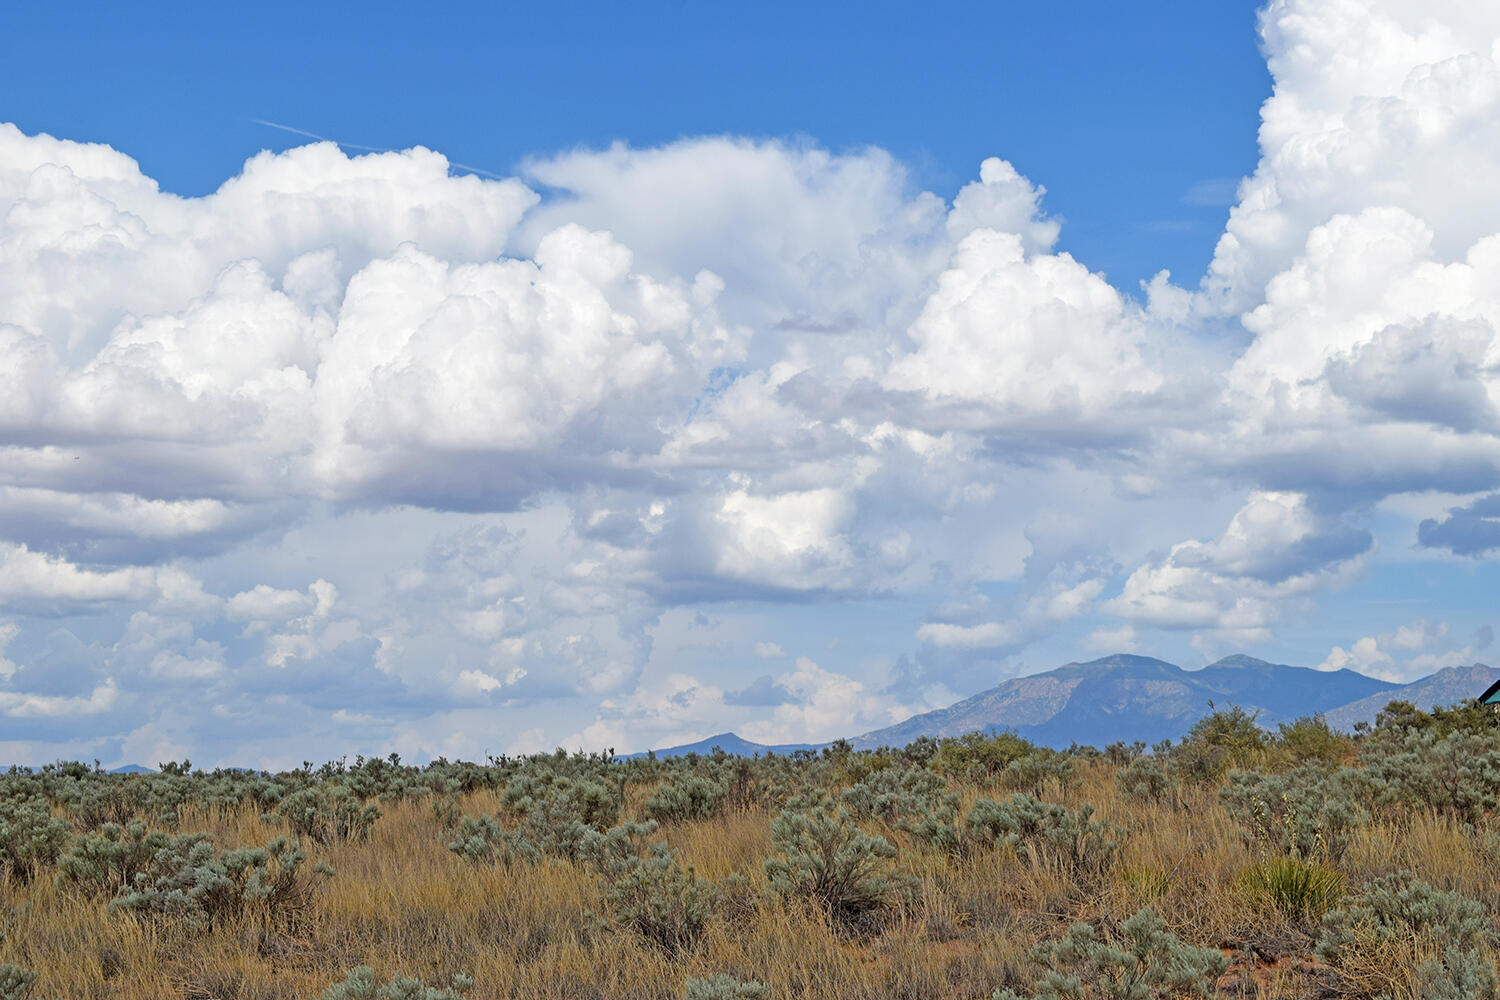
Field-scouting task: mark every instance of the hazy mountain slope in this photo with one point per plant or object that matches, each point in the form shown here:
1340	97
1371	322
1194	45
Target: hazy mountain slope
1448	686
1283	691
729	743
1126	697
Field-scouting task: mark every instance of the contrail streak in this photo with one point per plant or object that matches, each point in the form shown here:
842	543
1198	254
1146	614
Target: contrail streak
369	149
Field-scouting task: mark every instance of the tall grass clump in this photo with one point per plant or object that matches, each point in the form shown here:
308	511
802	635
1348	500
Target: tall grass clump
1301	891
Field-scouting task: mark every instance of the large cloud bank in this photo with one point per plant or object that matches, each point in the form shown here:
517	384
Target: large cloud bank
356	453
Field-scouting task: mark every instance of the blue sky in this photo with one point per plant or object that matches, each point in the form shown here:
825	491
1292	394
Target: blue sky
764	369
1137	120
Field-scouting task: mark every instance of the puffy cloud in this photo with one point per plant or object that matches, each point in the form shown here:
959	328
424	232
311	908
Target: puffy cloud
118	527
1361	257
806	241
482	384
90	241
353	449
1057	600
824	706
1377	655
1276	548
1374	366
1363	655
263	603
1036	343
1118	639
792	540
8	633
1003	201
762	692
982	636
1471	530
1377	102
21	705
43	584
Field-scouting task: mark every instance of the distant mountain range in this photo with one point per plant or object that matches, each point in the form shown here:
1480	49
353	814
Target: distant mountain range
1127	697
1446	687
731	744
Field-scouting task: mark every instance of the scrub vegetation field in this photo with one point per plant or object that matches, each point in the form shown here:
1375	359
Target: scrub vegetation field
1236	863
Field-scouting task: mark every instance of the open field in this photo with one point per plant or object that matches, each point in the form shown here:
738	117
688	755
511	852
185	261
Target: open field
925	873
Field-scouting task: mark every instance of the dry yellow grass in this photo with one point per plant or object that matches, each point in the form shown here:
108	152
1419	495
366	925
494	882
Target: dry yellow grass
401	901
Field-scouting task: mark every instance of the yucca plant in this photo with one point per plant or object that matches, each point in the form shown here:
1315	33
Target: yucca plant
1301	891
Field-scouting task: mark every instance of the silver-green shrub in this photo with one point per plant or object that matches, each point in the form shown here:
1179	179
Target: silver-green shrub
194	881
723	987
654	896
565	798
1045	832
1142	962
939	827
823	856
479	838
327	813
31	838
109	860
17	983
1036	770
1456	775
363	983
560	816
685	797
1401	908
1308	813
894	794
1145	779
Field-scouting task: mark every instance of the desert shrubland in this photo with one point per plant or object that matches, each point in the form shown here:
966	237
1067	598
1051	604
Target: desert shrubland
1240	861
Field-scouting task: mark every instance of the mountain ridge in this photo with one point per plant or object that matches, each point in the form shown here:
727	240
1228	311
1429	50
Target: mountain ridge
1127	696
730	743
